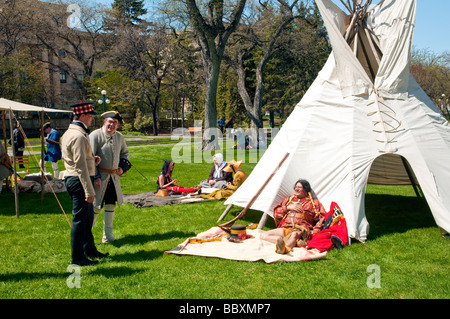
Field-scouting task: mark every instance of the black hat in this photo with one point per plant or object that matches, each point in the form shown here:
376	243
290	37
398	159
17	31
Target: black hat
83	108
237	233
113	114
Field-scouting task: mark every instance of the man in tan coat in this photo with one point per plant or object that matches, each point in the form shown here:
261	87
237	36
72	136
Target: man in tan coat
80	164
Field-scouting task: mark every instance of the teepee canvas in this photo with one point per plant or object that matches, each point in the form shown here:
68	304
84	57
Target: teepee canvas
363	107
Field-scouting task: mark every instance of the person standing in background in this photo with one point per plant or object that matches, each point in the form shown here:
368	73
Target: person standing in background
19	143
53	153
221	124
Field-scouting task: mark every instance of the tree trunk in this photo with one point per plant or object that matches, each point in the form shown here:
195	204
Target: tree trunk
254	107
182	111
212	36
210	139
153	105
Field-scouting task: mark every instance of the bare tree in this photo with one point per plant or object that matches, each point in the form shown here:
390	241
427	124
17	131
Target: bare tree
14	26
432	71
262	34
146	53
21	75
73	49
213	28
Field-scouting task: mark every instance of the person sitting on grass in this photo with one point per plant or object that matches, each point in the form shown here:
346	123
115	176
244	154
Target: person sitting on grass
238	179
218	178
165	181
297	217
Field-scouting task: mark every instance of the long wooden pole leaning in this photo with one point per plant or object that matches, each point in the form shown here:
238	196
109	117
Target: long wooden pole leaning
41	125
16	190
242	213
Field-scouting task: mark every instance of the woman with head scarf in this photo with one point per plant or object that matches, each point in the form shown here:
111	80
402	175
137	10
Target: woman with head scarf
239	177
218	178
166	181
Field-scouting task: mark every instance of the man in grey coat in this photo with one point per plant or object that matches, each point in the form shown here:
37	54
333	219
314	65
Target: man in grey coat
110	146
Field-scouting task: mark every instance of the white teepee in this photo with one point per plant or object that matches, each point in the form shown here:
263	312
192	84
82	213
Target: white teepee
364	105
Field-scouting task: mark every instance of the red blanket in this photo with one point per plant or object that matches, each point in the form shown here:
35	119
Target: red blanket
334	232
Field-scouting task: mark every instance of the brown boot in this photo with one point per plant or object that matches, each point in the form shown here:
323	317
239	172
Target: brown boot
281	247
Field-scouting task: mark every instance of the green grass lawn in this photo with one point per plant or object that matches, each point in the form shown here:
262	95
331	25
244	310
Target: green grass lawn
404	244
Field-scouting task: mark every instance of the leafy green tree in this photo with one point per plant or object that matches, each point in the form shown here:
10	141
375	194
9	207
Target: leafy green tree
142	49
143	123
229	102
128	12
266	55
22	78
183	82
74	50
122	90
295	66
256	41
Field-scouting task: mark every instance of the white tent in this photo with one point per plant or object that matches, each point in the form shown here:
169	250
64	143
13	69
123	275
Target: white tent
363	106
13	106
6	104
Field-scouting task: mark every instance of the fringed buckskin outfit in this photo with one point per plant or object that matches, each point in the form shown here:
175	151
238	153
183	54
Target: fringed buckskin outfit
308	217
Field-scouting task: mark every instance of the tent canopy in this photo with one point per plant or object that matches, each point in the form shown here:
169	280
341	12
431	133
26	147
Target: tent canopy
6	104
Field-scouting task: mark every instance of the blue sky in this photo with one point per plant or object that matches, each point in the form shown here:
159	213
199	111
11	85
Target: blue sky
432	24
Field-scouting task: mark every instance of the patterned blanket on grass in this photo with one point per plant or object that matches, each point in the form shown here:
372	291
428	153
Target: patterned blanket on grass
214	243
149	199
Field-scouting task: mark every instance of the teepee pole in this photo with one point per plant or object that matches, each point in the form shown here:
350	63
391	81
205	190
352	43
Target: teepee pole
372	46
355	41
350	27
411	178
350	6
242	213
16	189
225	212
346	6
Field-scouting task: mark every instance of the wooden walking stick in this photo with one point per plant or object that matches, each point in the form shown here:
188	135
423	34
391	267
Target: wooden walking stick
228	224
52	141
